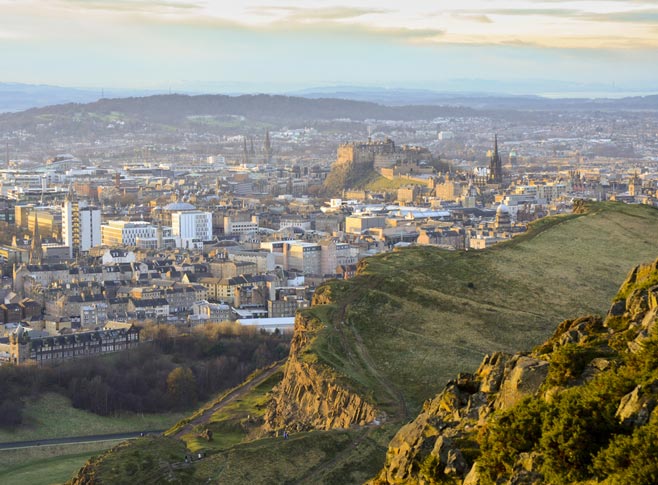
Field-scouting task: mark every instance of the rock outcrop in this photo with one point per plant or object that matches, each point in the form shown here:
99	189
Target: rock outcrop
310	395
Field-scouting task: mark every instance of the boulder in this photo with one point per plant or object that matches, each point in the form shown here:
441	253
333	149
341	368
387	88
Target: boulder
491	372
524	379
635	407
473	476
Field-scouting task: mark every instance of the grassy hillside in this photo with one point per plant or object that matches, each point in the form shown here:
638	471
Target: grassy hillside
408	323
414	318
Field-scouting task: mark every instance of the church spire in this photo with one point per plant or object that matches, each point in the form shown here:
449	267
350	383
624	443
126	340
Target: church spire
495	165
267	147
36	250
245	152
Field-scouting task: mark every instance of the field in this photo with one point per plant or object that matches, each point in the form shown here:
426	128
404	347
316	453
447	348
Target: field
415	318
52	416
45	465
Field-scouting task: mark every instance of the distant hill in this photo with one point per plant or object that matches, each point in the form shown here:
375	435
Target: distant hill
19	97
412	103
479	100
174	109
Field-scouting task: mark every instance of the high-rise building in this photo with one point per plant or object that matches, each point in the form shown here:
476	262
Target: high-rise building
81	226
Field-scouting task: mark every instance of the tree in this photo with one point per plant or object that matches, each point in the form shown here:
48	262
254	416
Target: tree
181	386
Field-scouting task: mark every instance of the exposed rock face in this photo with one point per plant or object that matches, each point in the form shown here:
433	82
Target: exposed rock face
452	415
523	377
635	408
309	396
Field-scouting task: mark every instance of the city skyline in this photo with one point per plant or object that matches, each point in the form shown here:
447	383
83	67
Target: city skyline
268	46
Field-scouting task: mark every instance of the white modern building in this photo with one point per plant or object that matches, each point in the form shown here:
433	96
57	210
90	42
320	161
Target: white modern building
126	233
192	225
240	225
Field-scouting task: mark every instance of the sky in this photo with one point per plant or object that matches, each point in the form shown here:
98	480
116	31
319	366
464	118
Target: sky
266	45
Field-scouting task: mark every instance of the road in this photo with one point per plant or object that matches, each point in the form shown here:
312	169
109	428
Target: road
76	439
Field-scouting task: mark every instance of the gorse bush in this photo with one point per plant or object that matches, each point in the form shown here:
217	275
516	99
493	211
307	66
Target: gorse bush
515	431
577	432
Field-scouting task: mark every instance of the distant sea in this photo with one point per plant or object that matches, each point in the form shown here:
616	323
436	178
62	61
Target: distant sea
598	94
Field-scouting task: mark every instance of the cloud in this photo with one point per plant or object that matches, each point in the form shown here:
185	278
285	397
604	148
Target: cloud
643	16
473	17
132	6
300	14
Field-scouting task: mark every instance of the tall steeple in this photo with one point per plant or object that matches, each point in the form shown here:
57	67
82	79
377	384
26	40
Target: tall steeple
245	152
495	165
36	250
267	147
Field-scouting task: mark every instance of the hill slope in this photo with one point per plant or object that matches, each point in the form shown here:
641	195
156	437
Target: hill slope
372	349
580	407
412	319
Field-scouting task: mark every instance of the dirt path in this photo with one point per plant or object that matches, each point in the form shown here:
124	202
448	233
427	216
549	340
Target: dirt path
229	398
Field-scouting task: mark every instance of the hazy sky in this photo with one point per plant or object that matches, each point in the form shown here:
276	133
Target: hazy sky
285	44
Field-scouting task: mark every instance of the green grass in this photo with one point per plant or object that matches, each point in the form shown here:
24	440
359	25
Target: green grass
424	314
234	422
145	460
327	457
53	416
46	464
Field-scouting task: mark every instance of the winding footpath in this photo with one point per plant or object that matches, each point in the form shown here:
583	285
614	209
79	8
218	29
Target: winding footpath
236	393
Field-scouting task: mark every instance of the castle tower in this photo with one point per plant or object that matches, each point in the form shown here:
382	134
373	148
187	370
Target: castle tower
495	165
36	250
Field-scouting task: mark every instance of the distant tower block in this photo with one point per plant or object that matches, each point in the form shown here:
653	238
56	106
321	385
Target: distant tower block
495	165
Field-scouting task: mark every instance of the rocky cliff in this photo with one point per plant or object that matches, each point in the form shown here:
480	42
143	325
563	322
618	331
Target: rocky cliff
311	396
581	406
348	175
